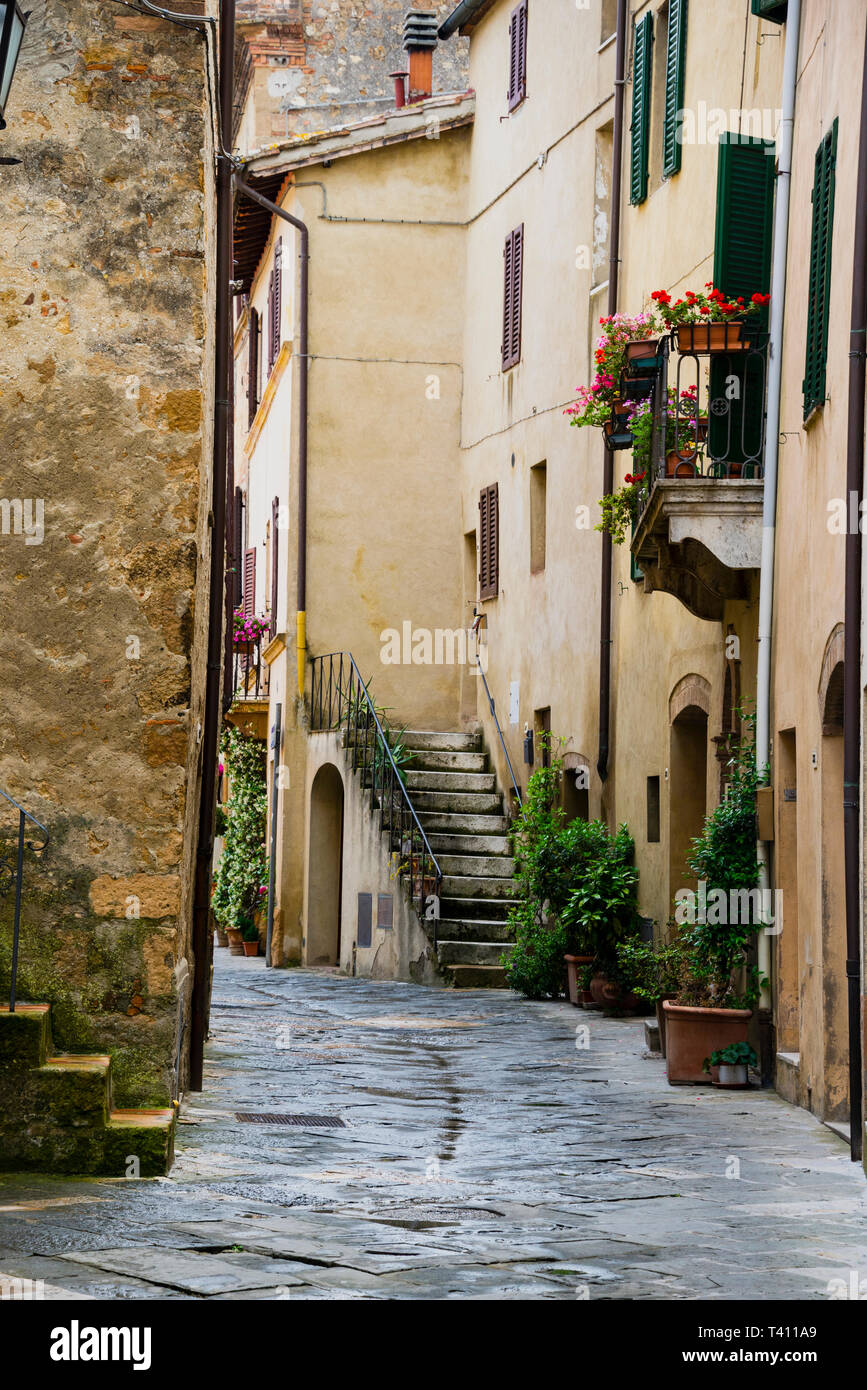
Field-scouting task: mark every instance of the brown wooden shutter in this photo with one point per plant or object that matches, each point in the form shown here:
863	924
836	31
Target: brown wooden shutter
269	315
253	368
517	56
513	274
489	541
277	301
250	582
275	563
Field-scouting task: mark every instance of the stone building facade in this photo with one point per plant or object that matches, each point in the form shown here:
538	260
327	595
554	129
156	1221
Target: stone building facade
105	410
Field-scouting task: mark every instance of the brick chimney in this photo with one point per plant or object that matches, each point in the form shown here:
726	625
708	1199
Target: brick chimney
420	40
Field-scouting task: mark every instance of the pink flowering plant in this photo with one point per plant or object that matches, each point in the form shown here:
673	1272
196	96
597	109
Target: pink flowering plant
246	629
593	406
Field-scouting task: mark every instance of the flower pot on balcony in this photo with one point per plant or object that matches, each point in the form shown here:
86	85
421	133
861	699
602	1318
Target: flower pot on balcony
642	356
236	942
676	466
616	434
710	337
251	948
692	1034
575	968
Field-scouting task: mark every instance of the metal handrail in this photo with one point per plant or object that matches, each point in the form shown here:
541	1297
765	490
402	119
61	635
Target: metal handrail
16	875
517	789
347	697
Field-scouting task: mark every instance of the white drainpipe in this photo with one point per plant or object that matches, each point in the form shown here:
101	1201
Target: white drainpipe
772	438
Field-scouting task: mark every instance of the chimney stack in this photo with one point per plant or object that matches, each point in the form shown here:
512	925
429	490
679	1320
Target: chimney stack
420	40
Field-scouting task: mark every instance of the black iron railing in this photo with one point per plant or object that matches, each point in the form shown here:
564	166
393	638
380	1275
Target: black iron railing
250	674
712	425
340	700
493	709
13	843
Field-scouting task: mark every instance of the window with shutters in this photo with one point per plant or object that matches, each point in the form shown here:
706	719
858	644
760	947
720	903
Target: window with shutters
252	368
250	582
642	65
489	542
275	563
275	305
675	67
513	273
518	56
819	285
742	265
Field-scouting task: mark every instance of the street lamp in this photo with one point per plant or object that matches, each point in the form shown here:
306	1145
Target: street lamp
12	24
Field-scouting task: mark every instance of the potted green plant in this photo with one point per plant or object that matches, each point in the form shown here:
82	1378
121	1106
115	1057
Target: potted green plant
243	866
250	936
655	968
620	508
731	1065
602	910
719	986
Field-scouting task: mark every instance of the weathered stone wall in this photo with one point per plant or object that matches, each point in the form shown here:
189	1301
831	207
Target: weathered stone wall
317	64
105	359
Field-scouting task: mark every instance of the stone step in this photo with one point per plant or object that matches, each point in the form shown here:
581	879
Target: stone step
25	1035
478	886
477	865
471	952
442	742
73	1091
454	909
450	823
474	929
477	782
476	976
457	803
146	1135
468	844
448	762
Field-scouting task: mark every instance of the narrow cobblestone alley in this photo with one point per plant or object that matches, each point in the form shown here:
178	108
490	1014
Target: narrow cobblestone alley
481	1155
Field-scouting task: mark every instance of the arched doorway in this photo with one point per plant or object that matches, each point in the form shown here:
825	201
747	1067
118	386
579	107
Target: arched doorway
833	899
687	793
325	858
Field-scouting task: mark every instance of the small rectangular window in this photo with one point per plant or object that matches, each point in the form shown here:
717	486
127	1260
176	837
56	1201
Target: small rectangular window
653	810
364	933
542	731
538	511
384	911
518	56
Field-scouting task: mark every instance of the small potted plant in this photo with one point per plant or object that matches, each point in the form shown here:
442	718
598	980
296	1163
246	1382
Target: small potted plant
595	402
247	631
236	941
620	508
729	1066
249	936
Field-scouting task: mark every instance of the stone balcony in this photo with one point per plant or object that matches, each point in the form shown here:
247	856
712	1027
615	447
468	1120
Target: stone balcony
698	538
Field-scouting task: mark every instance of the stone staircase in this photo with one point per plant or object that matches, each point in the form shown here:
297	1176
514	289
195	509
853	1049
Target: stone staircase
56	1112
458	803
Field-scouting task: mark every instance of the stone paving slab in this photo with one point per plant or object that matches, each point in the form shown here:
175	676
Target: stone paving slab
484	1156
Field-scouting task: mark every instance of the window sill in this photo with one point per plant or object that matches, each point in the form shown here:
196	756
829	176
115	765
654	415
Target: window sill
814	415
606	43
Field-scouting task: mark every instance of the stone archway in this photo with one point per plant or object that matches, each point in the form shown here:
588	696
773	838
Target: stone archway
325	860
688	710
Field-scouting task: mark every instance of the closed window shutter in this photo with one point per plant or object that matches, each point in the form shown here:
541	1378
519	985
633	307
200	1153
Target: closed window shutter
820	272
489	542
277	305
518	56
275	563
253	368
513	269
269	314
642	59
741	267
238	587
250	583
675	65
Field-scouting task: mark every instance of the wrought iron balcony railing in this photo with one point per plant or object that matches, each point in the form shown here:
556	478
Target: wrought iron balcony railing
250	674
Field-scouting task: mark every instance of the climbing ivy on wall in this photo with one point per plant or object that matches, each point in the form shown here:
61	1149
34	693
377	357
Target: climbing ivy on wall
243	867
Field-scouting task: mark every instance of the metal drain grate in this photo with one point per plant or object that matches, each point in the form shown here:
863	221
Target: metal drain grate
303	1121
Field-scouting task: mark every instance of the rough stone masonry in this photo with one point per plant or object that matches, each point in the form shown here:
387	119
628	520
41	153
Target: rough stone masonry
105	407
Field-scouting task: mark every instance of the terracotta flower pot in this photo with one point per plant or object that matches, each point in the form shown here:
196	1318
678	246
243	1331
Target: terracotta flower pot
641	348
236	943
692	1034
676	466
251	948
575	967
609	995
222	938
710	337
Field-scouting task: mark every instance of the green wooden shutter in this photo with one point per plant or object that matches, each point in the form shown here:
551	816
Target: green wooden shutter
771	9
742	266
820	272
642	59
675	64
